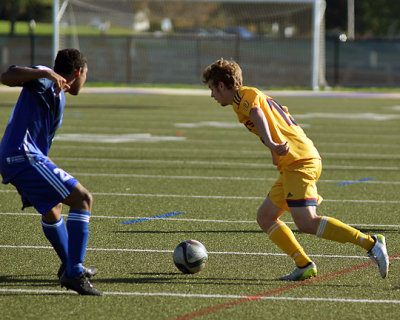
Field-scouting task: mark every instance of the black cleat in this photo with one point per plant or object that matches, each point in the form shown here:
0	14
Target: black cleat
88	272
79	284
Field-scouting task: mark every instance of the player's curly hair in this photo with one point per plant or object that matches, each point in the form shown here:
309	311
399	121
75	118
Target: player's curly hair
69	60
224	71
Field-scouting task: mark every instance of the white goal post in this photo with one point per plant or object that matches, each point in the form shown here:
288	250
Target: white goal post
317	43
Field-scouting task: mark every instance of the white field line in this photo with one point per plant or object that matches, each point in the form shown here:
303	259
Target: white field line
196	220
237	253
210	252
219	163
223	128
236	143
150	176
218	197
200	295
237	152
206	92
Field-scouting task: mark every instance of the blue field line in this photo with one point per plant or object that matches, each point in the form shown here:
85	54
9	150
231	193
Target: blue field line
165	215
351	182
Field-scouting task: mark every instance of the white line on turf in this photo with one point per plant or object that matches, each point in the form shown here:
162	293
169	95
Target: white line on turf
218	163
205	296
150	176
232	197
248	143
197	220
235	143
328	256
217	150
220	197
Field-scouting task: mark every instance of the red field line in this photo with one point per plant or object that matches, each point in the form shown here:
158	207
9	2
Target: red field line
274	291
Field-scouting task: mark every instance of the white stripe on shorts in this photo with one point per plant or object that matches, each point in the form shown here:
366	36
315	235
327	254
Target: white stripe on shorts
52	179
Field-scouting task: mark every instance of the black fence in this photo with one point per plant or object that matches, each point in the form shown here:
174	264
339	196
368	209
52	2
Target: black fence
180	59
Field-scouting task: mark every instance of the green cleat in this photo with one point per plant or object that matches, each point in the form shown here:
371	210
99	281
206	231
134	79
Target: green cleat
300	274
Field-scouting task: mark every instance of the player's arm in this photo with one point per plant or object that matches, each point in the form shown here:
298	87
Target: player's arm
261	124
16	75
275	158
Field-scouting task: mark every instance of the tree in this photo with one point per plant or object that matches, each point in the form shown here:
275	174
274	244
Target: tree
14	10
372	17
379	17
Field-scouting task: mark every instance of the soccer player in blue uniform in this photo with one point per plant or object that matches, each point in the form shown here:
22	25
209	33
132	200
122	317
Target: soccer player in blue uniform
42	184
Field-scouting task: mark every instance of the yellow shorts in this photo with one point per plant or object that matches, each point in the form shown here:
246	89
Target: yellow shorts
297	185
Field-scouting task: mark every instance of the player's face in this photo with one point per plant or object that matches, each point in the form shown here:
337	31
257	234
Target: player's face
79	81
221	93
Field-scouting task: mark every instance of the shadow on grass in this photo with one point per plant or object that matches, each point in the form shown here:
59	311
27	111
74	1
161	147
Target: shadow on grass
378	230
194	280
177	278
170	278
28	279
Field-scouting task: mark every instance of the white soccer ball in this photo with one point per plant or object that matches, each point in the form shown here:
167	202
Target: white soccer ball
190	256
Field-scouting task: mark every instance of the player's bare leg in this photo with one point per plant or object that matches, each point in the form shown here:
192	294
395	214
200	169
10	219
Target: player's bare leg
268	219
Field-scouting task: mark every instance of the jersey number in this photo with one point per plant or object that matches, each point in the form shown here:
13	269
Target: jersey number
282	111
63	175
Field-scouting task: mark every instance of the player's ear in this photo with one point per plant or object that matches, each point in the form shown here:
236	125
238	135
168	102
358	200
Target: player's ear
78	73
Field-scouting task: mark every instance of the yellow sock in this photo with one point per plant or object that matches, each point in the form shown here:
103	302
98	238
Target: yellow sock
335	230
283	237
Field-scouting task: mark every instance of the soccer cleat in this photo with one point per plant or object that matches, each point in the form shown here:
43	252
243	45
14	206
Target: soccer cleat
88	272
79	284
378	254
300	274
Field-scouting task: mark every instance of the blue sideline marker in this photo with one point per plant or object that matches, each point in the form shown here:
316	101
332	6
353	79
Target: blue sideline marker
351	182
165	215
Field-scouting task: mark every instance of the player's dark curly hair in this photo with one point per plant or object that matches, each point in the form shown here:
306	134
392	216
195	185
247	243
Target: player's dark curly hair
224	71
69	60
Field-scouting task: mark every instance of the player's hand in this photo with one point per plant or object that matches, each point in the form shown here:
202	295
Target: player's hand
61	82
281	149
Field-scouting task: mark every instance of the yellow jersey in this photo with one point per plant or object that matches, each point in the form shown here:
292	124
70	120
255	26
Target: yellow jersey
281	124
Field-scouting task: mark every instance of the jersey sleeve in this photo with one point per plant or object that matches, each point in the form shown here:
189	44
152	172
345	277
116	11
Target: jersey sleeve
43	89
40	86
249	101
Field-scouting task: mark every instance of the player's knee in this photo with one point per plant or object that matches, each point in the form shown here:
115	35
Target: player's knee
80	199
87	200
53	215
264	218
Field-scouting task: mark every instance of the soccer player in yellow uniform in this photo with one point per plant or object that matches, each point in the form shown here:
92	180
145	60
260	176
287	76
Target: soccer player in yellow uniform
299	166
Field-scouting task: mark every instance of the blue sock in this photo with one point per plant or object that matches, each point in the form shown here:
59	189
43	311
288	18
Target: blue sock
57	234
78	234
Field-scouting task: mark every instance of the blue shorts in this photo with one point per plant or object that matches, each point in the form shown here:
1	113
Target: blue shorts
43	185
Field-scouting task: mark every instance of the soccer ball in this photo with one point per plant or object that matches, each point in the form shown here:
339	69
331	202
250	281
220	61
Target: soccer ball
190	256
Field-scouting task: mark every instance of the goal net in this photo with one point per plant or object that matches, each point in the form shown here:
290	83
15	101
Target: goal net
277	43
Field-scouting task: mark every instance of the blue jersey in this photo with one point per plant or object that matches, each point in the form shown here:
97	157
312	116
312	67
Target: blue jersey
30	130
